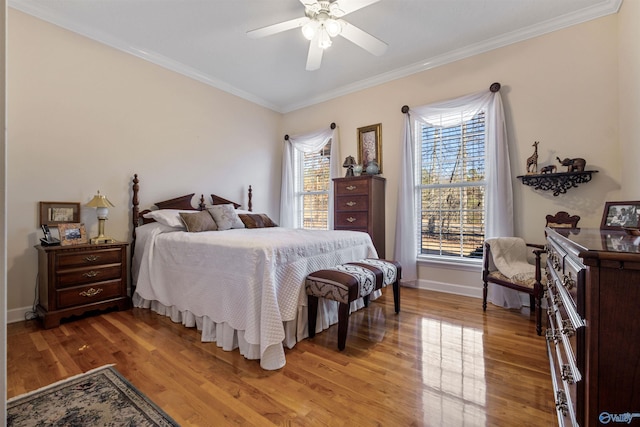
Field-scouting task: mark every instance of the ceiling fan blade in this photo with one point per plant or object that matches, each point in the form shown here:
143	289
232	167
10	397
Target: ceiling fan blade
314	58
363	39
277	28
347	6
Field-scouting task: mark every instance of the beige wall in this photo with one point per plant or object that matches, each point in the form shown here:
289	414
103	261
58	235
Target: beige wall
554	91
83	116
629	88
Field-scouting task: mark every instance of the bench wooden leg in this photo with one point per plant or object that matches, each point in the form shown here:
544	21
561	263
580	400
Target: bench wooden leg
365	299
396	296
343	325
312	313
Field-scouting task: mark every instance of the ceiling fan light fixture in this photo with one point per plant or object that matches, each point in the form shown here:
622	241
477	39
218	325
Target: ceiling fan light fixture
309	29
333	27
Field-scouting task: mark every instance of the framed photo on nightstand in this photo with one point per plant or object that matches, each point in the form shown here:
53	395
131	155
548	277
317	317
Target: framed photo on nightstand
72	234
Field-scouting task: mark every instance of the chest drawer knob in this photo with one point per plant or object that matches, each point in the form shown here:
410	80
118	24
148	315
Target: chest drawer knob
351	219
90	274
92	258
91	292
351	187
566	374
568	282
351	204
551	336
567	328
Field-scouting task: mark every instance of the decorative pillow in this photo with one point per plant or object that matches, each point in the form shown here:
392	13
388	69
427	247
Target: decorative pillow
170	217
198	221
257	220
225	217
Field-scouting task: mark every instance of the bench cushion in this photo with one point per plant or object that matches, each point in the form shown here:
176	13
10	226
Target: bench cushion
343	283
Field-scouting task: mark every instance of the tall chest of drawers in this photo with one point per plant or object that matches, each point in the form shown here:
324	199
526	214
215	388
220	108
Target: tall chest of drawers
593	333
359	205
73	280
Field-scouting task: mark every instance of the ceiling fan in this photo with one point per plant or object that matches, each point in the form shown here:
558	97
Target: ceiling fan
322	22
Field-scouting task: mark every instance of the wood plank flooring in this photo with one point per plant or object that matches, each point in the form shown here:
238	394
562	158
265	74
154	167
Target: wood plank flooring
440	362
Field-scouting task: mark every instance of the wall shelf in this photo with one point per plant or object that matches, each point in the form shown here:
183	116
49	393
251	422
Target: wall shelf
559	182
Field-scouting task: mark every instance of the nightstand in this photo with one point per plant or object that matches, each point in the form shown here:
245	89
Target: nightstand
73	280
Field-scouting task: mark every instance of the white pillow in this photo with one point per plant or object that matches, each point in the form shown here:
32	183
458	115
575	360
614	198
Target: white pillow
225	217
170	217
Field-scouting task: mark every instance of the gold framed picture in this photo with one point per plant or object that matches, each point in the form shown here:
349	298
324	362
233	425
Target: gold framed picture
72	234
370	146
54	213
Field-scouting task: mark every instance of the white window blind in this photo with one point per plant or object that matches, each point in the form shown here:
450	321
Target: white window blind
313	188
452	188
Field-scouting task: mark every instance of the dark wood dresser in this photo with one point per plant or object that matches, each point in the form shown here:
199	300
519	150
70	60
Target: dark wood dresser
73	280
359	205
593	336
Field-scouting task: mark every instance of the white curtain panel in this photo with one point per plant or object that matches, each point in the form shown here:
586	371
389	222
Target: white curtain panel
307	143
499	193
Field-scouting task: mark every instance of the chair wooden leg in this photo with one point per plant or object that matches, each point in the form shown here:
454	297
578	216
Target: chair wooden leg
312	312
532	302
538	301
343	325
484	296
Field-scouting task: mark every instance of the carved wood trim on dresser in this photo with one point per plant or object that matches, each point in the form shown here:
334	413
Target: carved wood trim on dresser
593	297
359	205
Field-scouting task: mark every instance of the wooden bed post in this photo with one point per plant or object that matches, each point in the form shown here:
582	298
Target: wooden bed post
250	205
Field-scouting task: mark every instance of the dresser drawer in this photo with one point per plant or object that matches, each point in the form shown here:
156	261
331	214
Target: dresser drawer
352	203
352	186
83	258
564	393
351	220
80	295
80	276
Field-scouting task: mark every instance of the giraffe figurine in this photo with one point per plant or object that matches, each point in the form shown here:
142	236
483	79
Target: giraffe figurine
532	162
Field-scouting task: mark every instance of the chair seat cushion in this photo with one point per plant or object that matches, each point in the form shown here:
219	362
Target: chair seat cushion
524	280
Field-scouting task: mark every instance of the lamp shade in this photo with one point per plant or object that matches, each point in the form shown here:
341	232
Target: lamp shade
99	201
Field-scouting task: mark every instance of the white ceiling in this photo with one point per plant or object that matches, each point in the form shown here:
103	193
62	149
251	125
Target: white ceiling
206	39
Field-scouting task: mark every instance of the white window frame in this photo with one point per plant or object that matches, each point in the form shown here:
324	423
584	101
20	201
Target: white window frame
299	192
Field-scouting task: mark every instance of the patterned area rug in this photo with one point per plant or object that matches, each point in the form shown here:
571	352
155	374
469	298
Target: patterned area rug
101	397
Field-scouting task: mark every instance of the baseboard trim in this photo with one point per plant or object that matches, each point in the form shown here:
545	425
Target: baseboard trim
18	314
449	288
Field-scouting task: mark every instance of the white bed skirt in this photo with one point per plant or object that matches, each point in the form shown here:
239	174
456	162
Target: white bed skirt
230	339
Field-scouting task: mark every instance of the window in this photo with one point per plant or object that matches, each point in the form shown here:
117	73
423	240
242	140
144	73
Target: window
451	188
312	188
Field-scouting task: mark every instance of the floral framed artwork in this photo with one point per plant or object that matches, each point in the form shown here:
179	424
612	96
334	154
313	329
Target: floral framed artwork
72	234
54	213
619	215
370	145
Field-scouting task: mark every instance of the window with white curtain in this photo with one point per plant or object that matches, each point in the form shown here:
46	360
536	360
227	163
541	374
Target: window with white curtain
312	188
451	186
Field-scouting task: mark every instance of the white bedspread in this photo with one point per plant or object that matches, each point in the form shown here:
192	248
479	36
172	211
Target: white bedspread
243	288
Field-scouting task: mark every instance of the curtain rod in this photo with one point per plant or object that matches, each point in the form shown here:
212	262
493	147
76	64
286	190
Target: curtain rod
495	87
333	126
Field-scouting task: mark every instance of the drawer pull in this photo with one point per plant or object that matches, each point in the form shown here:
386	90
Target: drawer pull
550	335
568	282
561	403
92	258
567	328
351	219
351	204
566	374
90	274
91	292
351	187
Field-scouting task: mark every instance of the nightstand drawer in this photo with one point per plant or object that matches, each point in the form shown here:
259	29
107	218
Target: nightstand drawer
79	276
351	220
84	258
352	203
352	186
80	295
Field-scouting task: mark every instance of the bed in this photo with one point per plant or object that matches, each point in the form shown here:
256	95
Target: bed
242	288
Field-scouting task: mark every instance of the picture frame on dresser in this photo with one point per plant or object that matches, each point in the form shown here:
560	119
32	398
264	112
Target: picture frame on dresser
72	234
370	145
54	213
620	215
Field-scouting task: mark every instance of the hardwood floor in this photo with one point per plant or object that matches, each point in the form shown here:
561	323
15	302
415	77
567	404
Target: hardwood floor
440	362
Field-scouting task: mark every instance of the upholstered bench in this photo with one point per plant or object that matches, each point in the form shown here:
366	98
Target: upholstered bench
348	282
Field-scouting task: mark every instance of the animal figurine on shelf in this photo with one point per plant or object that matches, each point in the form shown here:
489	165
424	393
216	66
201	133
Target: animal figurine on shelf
573	165
532	162
548	169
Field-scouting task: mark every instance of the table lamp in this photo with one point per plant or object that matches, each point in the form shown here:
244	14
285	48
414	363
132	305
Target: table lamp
102	205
